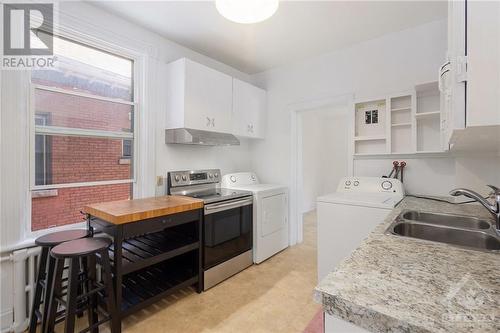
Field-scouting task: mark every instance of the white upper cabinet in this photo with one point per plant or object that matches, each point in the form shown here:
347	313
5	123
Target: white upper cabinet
249	110
483	63
470	79
199	97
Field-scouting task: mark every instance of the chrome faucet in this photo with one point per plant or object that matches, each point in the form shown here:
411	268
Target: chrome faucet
493	208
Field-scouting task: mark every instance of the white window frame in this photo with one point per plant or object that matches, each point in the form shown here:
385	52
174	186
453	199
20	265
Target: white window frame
66	131
139	57
44	120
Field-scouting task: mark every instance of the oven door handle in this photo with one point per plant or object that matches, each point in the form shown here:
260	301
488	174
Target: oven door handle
214	208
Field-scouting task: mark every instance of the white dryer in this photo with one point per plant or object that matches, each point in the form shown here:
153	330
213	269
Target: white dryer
270	213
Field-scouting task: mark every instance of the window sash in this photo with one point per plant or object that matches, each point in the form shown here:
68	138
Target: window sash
81	132
82	184
54	130
82	94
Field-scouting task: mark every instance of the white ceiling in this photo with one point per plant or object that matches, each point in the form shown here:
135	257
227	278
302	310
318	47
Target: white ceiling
299	29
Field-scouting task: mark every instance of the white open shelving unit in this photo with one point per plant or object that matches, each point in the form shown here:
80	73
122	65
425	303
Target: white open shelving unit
371	138
406	123
428	118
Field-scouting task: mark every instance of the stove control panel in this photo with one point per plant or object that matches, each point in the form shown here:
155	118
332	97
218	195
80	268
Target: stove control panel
193	177
371	185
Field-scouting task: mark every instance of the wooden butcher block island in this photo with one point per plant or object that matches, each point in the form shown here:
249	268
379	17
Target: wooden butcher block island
157	246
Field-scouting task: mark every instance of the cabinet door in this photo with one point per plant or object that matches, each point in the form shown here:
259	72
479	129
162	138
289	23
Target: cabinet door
455	101
208	98
483	63
249	106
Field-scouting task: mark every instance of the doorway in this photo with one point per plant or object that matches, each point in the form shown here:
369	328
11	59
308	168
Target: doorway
321	154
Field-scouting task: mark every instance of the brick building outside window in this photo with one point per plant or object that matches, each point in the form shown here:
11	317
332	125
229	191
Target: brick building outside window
83	133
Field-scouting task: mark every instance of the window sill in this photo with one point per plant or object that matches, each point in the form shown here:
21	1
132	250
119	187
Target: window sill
124	160
44	193
29	240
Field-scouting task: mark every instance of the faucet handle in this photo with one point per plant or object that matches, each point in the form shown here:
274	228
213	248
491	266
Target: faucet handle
495	194
495	189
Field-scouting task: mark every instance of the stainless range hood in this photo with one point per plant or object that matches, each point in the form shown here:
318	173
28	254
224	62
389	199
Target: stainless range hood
189	136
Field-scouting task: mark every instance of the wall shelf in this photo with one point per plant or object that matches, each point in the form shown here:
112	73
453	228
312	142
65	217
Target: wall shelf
408	108
428	118
427	114
369	138
401	125
370	128
408	123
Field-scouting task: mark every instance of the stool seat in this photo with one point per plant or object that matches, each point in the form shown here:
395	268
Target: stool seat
81	256
56	238
46	266
80	247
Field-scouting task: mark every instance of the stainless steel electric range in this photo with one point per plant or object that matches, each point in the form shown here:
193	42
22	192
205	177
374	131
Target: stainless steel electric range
227	226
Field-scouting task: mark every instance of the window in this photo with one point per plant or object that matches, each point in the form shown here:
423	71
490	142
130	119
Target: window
43	173
127	148
83	114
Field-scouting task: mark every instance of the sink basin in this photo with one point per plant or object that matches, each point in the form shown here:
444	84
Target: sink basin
463	231
461	237
457	221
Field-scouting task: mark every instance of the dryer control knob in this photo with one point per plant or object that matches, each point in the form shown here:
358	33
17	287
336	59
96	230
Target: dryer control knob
177	178
347	183
184	177
233	179
356	183
386	185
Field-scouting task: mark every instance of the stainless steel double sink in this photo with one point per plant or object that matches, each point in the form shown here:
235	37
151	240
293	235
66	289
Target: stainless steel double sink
463	231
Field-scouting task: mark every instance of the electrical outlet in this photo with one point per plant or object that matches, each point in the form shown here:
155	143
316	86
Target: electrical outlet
159	181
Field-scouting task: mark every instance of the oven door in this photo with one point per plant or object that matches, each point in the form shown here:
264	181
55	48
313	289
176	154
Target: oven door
227	229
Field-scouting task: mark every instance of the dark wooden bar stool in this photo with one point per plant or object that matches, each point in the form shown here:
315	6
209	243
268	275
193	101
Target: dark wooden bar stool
45	273
89	251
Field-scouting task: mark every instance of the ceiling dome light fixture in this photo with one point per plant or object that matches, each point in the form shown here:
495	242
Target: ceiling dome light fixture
247	11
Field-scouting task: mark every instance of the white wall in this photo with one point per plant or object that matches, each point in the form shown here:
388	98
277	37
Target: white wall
324	152
391	63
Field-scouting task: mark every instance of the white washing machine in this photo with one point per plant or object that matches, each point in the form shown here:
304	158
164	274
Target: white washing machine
349	215
270	213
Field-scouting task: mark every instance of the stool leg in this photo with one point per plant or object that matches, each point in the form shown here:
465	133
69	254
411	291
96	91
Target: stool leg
110	299
55	290
90	268
81	286
48	290
37	298
74	267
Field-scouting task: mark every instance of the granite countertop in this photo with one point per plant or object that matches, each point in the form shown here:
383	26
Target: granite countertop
126	211
399	284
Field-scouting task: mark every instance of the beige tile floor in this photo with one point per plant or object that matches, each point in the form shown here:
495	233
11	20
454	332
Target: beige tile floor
275	296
